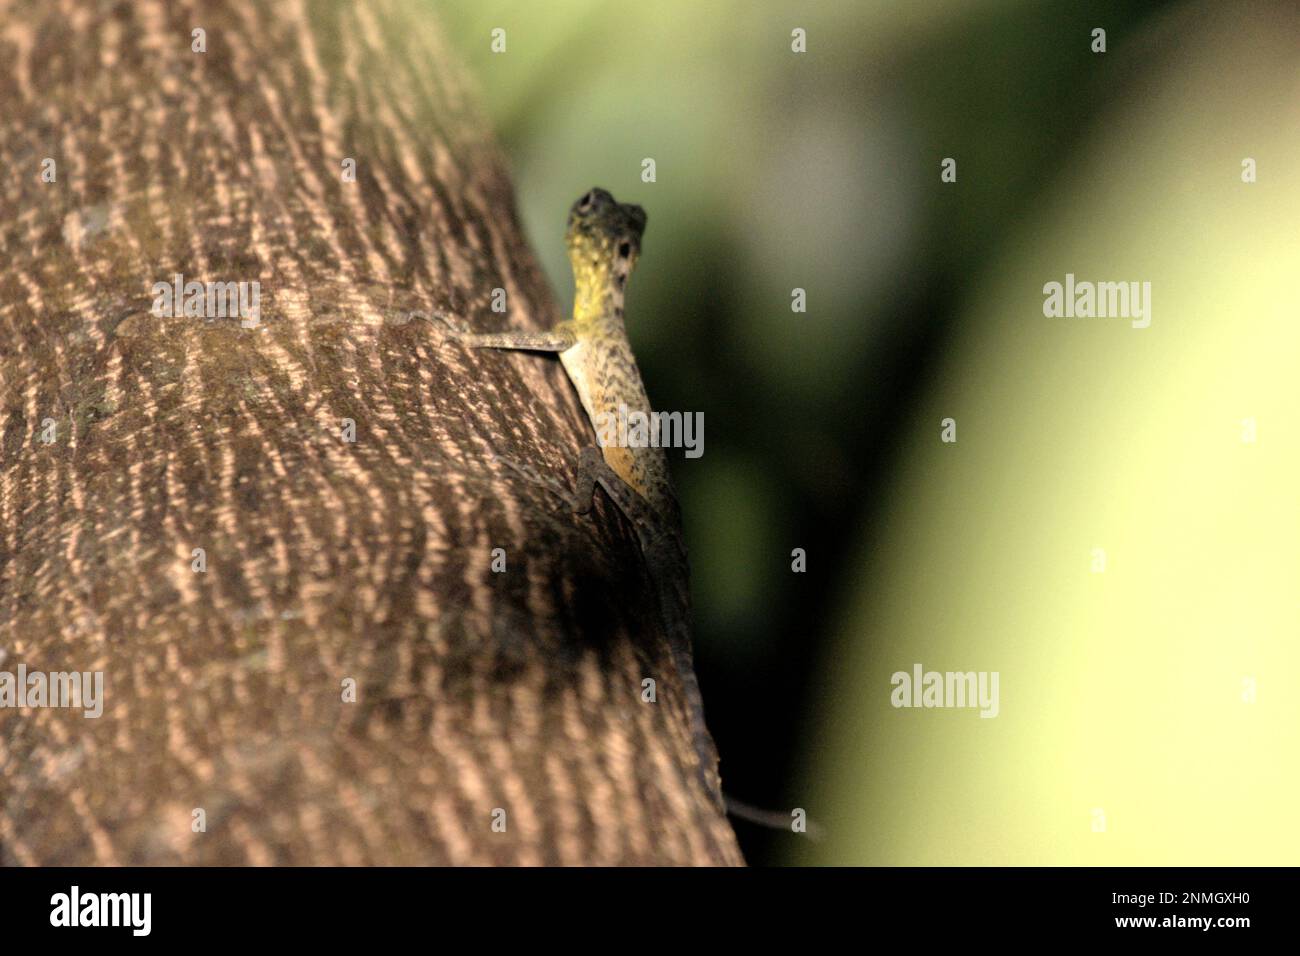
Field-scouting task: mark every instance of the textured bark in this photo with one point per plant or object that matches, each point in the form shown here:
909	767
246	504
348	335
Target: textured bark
326	560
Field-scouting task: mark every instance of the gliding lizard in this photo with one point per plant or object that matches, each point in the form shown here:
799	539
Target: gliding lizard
604	240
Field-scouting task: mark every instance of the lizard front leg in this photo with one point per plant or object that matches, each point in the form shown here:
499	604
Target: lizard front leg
558	339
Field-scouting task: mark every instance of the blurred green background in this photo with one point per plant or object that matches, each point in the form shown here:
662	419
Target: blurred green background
1121	692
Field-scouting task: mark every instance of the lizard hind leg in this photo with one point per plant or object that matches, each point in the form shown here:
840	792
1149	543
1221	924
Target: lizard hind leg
593	470
590	472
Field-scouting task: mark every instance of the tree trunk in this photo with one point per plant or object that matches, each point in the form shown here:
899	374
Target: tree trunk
130	439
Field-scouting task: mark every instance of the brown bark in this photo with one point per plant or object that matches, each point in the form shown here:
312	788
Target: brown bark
326	559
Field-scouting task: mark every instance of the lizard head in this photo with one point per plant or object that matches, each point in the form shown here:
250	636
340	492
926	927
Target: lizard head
604	239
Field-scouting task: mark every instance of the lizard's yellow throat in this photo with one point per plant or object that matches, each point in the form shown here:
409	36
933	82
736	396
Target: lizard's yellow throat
604	241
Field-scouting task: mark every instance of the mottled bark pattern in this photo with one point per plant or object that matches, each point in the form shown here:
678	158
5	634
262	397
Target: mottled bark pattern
326	559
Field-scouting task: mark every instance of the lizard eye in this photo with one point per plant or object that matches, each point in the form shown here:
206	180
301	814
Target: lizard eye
624	249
